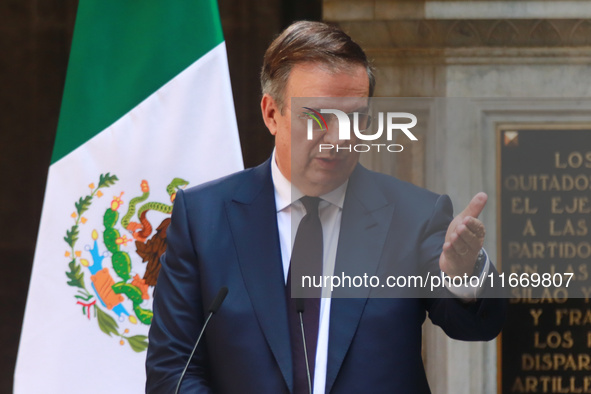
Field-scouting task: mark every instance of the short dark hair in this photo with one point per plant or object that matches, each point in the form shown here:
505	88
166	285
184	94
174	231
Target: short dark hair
306	41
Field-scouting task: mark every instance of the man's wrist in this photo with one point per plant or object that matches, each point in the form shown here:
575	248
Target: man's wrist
469	290
480	263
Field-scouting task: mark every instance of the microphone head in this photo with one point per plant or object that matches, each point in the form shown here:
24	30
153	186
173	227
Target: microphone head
300	305
217	301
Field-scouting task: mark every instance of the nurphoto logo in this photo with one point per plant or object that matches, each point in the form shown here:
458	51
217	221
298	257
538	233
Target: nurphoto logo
360	123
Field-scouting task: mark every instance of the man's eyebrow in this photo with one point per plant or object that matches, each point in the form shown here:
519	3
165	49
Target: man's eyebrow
312	108
360	109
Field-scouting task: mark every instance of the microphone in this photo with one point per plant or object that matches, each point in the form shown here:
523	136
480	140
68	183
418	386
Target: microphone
217	301
300	306
213	308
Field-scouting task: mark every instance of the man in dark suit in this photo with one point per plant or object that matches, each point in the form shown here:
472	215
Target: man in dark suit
236	232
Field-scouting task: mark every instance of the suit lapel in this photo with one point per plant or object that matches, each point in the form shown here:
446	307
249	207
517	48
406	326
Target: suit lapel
366	219
253	221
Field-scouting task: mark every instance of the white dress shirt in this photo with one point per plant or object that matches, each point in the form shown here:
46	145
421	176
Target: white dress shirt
290	212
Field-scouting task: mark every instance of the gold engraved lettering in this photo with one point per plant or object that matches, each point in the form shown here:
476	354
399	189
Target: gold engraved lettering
535	313
521	205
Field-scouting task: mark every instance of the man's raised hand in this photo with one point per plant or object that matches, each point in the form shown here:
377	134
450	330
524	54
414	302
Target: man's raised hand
464	239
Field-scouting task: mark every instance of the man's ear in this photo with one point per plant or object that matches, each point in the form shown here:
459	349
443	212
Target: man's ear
270	112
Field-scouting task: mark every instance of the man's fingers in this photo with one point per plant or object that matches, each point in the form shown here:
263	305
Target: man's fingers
473	225
475	206
469	237
461	247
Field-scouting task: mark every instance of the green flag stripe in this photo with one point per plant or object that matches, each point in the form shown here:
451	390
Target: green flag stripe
122	52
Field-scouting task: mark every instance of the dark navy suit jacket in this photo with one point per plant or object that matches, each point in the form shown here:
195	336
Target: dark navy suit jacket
224	233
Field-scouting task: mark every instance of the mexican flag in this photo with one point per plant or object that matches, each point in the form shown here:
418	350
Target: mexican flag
147	110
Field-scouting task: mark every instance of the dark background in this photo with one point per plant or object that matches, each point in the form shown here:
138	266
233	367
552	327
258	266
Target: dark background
35	38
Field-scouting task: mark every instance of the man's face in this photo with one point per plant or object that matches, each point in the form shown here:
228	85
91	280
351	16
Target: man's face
313	172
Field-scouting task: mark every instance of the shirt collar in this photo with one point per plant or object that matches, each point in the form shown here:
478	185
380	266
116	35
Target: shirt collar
285	194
